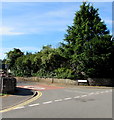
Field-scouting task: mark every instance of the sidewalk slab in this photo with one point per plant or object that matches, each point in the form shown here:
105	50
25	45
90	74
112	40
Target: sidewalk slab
20	96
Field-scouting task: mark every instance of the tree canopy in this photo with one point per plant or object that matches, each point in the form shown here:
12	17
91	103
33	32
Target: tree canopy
12	57
88	51
89	46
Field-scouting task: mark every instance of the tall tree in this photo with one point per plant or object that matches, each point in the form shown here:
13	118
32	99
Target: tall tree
88	45
12	57
50	59
23	65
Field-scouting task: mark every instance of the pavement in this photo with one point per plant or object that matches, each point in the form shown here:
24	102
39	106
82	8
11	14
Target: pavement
21	95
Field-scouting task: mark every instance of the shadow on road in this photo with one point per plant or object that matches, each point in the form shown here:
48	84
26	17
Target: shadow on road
23	92
20	95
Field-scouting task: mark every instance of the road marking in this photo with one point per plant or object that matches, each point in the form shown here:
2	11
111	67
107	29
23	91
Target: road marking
91	93
106	91
102	92
48	102
58	100
67	98
24	103
97	93
19	107
75	91
33	105
77	97
83	95
33	87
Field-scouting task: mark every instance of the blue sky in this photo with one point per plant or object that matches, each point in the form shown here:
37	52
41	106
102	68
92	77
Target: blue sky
30	25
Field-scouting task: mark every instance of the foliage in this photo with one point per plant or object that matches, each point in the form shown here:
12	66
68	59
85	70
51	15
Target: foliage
12	57
64	73
23	66
87	51
89	46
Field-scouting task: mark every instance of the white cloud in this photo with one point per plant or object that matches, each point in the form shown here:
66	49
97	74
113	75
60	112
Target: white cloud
29	49
109	21
63	12
9	31
3	51
56	21
34	22
50	20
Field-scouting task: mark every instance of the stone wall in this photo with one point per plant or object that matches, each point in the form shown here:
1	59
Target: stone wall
92	81
48	80
7	84
101	81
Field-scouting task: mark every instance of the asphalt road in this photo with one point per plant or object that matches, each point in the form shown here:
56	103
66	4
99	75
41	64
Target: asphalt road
67	103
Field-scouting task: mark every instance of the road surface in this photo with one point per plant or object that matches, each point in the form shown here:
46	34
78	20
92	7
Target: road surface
70	102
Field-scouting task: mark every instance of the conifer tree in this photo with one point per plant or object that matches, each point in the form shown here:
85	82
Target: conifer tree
89	46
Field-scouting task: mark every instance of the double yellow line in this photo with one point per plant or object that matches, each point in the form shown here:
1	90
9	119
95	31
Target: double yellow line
39	94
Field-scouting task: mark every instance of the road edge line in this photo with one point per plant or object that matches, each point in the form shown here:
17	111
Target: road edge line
34	92
35	97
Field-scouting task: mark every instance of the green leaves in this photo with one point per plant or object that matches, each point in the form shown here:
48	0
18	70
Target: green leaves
64	73
87	51
12	57
89	44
